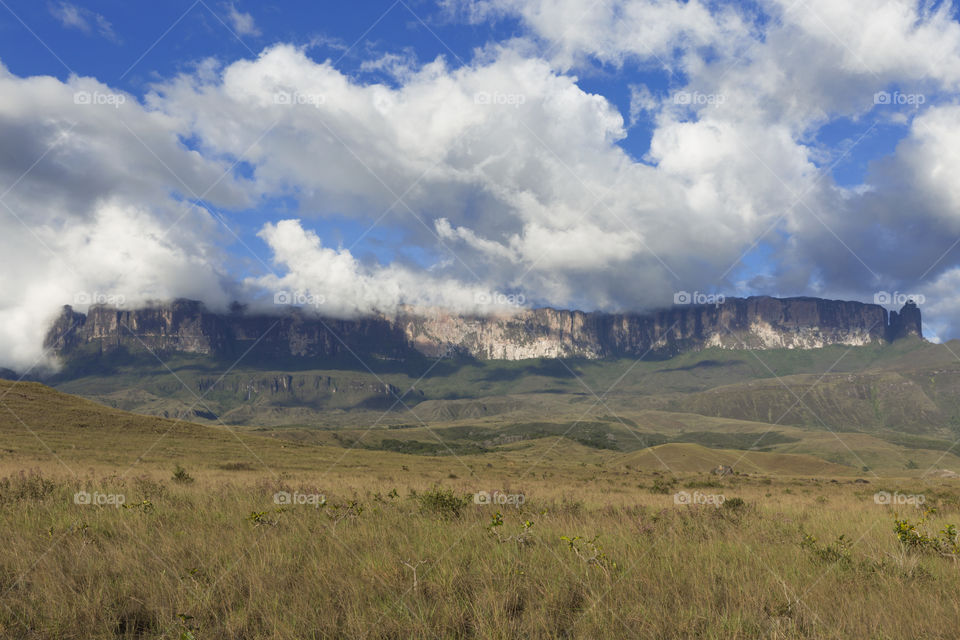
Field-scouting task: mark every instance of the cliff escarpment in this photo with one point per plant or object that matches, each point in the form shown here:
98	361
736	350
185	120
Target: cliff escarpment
738	323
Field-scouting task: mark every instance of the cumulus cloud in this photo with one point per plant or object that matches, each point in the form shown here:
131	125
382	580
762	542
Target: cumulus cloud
336	284
504	157
748	99
97	200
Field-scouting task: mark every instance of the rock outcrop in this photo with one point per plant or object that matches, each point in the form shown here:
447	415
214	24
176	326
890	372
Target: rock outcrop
906	323
750	323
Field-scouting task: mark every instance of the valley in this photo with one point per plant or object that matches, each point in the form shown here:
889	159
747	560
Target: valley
898	401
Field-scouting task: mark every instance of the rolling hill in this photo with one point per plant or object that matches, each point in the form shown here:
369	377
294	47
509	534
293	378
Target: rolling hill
889	407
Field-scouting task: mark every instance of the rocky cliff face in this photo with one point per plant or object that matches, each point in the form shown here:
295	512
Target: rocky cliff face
185	326
754	323
906	323
751	323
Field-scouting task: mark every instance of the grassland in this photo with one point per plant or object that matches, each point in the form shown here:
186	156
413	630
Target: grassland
603	545
884	409
348	393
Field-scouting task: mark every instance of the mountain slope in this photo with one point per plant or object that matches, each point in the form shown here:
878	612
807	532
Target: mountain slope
40	423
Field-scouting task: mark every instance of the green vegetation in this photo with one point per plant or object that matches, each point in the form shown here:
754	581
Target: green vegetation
890	400
181	476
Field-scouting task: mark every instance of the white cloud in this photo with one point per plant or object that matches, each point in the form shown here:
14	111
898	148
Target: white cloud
338	285
516	158
241	22
613	32
642	101
752	102
93	203
74	17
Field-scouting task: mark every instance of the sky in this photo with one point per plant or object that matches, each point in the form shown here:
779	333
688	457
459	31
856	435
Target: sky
475	155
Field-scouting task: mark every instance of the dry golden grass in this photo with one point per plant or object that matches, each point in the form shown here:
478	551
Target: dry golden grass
598	549
218	558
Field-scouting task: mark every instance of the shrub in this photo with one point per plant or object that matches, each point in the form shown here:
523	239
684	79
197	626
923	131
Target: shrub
180	475
149	488
590	552
835	552
734	504
662	486
443	502
918	537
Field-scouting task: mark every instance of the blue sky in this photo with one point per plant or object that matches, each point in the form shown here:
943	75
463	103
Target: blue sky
575	154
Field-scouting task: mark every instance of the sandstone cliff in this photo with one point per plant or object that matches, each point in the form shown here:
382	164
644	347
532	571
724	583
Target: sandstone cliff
186	326
754	323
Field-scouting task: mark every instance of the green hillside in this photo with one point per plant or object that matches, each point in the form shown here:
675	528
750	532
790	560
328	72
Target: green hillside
889	409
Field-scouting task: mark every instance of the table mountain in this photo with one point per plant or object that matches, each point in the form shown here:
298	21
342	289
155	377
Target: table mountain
738	323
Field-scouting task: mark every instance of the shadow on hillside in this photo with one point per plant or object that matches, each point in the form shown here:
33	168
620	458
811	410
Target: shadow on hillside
707	364
140	362
544	368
